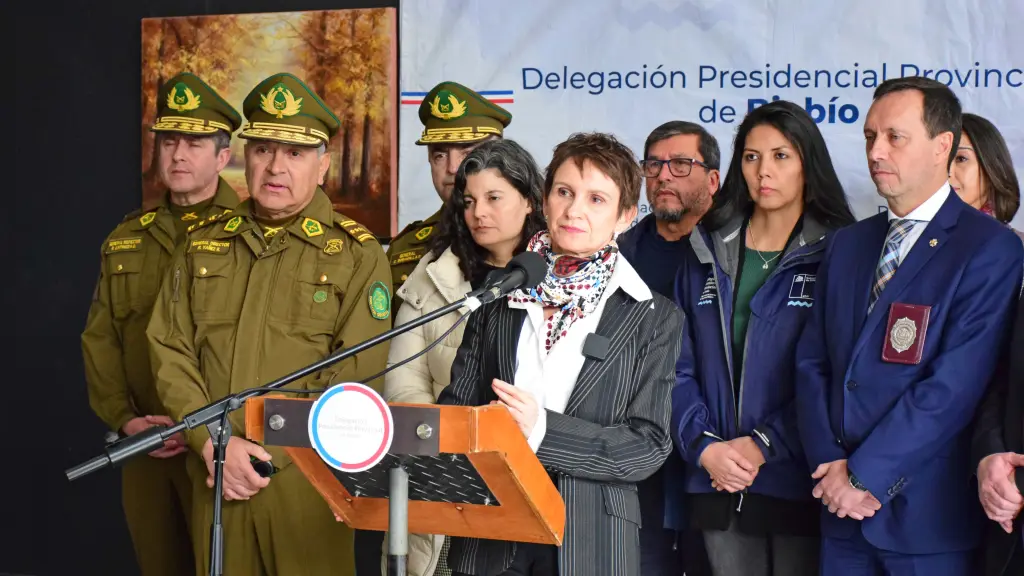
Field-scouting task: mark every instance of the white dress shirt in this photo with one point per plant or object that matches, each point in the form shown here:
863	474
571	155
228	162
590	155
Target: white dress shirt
924	214
551	376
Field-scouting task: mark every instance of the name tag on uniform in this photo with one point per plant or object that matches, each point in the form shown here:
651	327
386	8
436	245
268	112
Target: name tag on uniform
124	245
905	333
407	256
209	246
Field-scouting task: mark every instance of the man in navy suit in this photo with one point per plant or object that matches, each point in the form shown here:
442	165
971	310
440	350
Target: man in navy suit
911	309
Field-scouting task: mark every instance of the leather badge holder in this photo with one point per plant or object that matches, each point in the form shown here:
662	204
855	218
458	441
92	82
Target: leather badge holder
905	333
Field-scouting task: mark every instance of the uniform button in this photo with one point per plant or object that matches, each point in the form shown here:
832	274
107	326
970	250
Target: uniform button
120	267
202	271
405	277
851	385
323	277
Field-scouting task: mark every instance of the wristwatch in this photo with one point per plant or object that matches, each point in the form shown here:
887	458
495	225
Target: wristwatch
856	483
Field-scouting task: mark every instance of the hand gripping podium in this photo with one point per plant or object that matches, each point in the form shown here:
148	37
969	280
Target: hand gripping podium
470	471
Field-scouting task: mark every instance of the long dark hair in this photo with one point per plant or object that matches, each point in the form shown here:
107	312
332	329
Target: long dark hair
1001	185
824	199
519	169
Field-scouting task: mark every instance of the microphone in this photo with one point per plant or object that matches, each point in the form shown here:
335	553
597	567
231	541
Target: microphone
525	270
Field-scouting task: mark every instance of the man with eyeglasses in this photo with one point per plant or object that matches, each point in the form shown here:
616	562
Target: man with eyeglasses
681	167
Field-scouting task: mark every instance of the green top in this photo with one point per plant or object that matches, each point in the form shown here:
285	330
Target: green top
752	277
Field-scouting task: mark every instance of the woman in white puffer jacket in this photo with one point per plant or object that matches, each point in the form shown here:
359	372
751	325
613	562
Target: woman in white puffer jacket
494	209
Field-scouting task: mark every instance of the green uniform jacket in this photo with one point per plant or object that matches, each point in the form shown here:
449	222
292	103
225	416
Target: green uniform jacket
132	265
237	310
408	248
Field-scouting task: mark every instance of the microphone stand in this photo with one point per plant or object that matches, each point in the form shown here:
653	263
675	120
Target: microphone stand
215	415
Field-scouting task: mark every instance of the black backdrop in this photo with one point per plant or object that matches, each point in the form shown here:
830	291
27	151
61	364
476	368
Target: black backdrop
76	103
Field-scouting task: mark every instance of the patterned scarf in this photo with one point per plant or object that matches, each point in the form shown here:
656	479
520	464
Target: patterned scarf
573	285
989	209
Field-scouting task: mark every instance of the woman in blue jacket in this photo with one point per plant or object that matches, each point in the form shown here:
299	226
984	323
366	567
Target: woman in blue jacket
746	287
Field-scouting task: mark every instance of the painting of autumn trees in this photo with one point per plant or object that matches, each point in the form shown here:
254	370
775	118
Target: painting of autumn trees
346	56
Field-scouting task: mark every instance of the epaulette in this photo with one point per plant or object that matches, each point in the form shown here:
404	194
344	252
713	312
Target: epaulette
133	214
207	221
408	228
353	228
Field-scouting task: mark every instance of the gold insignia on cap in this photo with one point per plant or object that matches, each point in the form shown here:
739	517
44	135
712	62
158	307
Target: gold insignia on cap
280	102
182	99
333	246
447	106
933	242
233	224
312	227
147	218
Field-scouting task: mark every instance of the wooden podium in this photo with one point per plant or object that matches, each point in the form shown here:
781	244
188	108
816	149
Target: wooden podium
471	472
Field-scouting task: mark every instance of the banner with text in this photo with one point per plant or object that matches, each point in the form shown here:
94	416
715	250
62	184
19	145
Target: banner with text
626	67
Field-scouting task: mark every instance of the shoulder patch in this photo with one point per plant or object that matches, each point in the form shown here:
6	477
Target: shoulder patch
355	230
123	245
233	224
209	246
424	233
380	301
311	227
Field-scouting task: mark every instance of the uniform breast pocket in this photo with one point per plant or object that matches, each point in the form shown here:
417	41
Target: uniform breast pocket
212	278
125	272
319	298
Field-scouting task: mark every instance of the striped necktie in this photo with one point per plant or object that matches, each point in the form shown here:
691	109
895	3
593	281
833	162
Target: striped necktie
890	260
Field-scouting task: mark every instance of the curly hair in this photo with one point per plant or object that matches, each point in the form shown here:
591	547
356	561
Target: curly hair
518	168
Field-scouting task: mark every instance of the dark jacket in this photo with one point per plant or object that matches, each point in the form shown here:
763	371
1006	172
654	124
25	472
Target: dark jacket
704	406
614	431
1000	428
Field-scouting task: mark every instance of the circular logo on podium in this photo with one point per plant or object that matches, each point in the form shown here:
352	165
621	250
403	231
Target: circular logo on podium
350	427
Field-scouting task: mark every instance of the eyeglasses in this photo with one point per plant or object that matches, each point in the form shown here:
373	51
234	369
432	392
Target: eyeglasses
679	167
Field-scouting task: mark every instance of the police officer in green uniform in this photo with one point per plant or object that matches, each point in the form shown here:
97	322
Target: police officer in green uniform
193	131
273	286
455	120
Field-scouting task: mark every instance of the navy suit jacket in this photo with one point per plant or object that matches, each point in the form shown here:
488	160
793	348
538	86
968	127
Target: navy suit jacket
905	428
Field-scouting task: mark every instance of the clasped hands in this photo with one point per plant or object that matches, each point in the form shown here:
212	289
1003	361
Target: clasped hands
733	465
837	492
997	490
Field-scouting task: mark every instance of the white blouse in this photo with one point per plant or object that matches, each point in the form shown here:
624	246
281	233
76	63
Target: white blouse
551	376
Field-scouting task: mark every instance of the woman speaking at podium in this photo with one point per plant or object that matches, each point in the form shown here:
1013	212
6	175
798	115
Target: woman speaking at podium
585	363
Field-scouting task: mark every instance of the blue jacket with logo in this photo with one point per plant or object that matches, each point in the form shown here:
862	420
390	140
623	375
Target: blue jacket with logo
704	409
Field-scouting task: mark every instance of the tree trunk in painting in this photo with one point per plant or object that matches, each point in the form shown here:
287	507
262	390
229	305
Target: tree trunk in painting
364	166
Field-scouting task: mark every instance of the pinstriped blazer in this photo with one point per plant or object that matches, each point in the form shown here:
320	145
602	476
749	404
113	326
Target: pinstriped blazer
614	431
